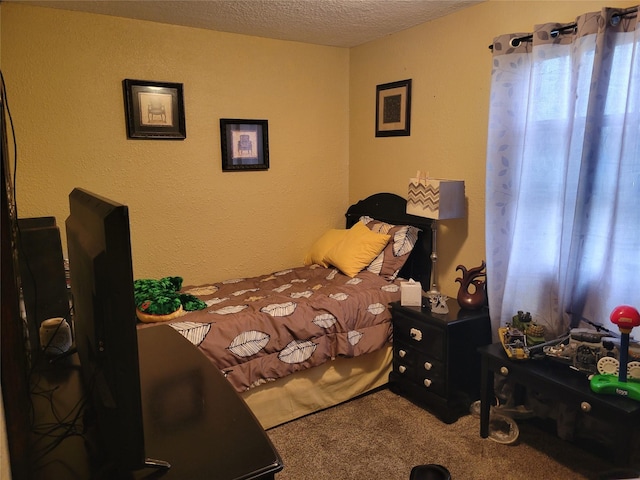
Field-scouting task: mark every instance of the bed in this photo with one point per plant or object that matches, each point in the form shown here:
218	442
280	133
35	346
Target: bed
302	339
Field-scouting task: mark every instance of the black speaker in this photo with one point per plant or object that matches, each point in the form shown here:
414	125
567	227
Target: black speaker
42	273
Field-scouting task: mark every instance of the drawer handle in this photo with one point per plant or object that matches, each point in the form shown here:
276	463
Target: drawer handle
416	334
427	382
402	369
428	366
585	407
402	353
504	371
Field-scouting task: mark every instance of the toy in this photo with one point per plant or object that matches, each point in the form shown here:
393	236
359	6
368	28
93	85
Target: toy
514	342
626	317
585	349
522	336
534	332
160	300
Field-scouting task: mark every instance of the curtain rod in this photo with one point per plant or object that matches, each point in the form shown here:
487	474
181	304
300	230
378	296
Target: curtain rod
615	19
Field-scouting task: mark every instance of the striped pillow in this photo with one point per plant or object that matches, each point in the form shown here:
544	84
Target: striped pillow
391	260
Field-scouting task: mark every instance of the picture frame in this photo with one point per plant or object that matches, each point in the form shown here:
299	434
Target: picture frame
393	109
244	144
154	110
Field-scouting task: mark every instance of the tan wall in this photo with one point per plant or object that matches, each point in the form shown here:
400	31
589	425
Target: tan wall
64	72
450	67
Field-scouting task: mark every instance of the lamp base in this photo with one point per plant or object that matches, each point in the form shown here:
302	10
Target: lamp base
433	292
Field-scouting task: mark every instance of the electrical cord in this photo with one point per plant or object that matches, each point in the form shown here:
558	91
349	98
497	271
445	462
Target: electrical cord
5	104
46	435
13	204
49	435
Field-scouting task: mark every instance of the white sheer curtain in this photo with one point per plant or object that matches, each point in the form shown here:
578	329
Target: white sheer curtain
563	172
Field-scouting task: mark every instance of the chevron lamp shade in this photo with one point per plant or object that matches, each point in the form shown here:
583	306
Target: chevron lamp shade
436	198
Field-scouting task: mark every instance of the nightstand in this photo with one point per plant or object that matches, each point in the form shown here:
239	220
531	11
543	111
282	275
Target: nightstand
435	359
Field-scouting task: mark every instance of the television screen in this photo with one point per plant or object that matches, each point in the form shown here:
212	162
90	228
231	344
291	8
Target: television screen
104	321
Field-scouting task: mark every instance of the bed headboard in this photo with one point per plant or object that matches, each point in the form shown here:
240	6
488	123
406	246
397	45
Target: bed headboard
392	208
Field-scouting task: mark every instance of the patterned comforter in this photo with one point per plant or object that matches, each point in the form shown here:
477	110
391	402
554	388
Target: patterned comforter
260	329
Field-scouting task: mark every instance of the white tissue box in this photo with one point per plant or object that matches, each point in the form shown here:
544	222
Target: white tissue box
410	294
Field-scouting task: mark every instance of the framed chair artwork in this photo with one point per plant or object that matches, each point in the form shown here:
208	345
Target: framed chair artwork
154	110
244	144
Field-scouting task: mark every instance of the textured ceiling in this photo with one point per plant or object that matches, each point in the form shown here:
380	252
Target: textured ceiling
340	23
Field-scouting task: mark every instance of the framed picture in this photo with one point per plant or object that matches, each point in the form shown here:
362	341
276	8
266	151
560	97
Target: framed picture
393	109
154	110
245	144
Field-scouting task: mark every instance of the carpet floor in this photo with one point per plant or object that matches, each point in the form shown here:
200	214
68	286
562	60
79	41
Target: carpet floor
382	436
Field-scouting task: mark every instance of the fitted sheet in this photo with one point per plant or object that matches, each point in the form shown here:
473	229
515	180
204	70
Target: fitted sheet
327	385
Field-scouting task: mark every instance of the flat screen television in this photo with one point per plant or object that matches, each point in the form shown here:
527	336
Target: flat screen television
104	319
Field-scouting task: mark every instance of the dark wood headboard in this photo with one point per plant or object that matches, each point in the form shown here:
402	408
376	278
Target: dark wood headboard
392	208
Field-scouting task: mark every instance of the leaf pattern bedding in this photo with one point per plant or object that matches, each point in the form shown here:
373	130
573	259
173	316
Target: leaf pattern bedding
263	328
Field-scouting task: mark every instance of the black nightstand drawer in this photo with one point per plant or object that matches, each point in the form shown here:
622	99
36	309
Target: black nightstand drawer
415	367
435	358
419	335
406	353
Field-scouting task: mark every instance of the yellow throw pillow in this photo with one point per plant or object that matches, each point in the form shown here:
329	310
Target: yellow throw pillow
323	245
356	250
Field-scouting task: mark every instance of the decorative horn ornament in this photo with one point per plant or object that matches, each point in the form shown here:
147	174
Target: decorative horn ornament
476	297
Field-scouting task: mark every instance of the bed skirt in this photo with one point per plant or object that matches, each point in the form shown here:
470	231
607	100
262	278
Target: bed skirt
320	387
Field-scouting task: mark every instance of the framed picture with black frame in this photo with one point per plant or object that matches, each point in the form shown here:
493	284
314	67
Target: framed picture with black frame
393	109
154	110
245	144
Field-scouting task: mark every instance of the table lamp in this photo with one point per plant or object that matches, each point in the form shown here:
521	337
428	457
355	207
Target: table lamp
437	199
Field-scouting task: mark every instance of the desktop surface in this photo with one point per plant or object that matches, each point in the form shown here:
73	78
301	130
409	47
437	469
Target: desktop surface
193	418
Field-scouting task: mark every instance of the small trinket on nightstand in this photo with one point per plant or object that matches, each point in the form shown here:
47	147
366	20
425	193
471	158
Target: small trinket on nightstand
472	294
439	304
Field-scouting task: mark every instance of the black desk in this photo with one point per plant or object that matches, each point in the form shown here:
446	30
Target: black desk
561	383
193	418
